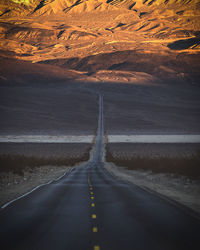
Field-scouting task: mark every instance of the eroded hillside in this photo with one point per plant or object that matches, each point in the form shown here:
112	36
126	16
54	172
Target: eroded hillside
106	40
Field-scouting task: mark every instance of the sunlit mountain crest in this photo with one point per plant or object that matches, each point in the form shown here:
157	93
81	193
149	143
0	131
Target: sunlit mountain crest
27	2
89	5
114	35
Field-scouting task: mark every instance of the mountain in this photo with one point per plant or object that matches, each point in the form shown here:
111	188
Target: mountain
157	37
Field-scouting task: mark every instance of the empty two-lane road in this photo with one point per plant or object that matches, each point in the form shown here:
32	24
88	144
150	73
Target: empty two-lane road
90	209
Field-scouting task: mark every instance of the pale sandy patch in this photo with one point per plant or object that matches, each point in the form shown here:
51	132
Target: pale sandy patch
47	138
154	138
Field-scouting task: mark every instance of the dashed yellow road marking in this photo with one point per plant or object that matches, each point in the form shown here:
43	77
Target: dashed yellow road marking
94	216
94	229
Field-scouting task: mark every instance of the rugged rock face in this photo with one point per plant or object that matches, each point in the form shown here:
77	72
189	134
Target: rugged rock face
141	6
85	34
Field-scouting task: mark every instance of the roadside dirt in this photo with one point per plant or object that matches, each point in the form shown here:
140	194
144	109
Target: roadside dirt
179	189
13	185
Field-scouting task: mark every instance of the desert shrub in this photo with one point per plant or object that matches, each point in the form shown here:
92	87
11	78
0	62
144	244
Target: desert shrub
188	166
17	163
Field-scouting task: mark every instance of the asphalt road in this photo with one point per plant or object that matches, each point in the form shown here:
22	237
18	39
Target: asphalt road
90	209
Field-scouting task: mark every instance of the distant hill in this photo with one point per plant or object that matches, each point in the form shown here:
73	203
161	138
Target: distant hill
166	7
79	34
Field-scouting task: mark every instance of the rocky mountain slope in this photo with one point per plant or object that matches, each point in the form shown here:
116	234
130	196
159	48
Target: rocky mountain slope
105	39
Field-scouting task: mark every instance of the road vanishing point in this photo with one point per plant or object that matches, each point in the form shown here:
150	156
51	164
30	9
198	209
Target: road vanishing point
89	209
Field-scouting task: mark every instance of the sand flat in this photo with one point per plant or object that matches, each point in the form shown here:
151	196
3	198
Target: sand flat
154	138
46	138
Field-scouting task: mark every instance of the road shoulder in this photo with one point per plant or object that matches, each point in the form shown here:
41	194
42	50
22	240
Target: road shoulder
177	188
13	186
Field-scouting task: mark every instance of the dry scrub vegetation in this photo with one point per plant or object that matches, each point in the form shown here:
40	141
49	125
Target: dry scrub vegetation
20	173
188	166
18	163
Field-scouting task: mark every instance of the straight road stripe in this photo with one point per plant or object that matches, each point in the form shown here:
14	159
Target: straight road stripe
94	229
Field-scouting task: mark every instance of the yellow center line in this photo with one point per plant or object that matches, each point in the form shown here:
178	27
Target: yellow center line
94	229
94	216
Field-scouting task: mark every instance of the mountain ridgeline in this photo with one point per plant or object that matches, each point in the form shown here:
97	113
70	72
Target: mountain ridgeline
156	37
169	7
